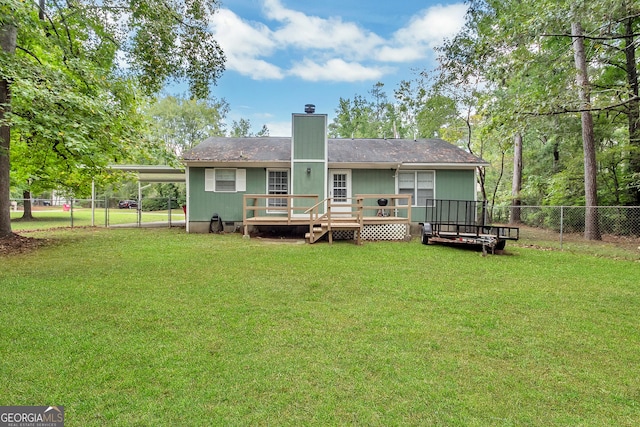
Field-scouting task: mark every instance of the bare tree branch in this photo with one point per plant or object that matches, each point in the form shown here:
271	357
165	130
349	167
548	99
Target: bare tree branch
579	110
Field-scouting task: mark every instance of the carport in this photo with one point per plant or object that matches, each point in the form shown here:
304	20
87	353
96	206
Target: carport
147	175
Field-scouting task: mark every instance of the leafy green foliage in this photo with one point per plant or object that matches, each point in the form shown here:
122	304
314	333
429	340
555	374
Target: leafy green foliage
363	117
181	123
521	54
242	128
80	73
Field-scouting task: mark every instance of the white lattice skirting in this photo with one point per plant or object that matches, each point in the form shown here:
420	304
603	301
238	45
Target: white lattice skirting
376	232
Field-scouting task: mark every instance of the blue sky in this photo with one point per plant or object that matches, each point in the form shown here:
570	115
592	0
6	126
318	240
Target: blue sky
283	54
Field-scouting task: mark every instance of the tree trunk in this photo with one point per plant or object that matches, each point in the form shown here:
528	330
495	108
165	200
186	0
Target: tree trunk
26	199
633	113
591	228
8	44
516	185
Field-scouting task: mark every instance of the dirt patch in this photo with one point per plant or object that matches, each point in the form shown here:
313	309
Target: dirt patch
280	240
17	244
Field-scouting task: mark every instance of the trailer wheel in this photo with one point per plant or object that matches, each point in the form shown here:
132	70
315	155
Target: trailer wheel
500	245
425	239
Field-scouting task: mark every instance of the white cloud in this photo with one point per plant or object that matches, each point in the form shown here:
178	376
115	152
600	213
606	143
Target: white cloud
336	70
279	128
429	28
433	25
328	49
312	32
399	54
243	43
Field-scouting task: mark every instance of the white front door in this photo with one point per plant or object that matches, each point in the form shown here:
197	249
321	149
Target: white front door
340	190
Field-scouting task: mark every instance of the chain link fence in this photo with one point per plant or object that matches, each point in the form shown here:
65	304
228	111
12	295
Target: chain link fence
558	223
562	223
101	212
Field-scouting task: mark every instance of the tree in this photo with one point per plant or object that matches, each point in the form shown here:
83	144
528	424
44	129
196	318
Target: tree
591	231
182	123
67	55
367	118
516	186
521	53
8	36
242	128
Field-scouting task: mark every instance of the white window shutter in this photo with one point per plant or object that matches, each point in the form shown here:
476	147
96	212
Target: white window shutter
241	180
209	180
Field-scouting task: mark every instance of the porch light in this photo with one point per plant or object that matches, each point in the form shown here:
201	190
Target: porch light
308	171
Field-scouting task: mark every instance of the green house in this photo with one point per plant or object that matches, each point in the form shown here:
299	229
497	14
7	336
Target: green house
272	178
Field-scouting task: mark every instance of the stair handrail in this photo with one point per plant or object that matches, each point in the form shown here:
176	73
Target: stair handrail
311	211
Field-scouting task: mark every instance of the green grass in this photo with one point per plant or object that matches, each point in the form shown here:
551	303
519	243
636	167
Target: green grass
55	217
158	327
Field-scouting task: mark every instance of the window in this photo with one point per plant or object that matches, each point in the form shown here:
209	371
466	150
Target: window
225	180
420	184
277	183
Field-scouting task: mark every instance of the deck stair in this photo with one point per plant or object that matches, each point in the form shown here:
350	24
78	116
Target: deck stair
321	228
335	220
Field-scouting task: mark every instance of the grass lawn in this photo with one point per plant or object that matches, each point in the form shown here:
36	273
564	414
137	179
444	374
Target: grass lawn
52	217
158	327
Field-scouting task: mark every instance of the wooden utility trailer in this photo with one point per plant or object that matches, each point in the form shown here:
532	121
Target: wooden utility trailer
464	222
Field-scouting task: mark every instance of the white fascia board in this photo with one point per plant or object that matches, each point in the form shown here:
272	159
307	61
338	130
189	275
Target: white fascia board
334	165
211	164
443	165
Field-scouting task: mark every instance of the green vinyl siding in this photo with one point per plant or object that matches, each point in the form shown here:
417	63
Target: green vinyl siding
308	183
450	184
309	137
455	184
373	181
203	204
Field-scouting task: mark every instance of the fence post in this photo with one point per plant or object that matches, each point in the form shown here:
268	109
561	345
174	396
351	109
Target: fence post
561	224
169	207
93	203
106	211
71	211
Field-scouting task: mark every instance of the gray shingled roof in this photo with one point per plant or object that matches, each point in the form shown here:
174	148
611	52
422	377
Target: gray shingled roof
431	151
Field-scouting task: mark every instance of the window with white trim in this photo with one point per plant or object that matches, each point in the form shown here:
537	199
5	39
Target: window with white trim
225	180
277	183
420	184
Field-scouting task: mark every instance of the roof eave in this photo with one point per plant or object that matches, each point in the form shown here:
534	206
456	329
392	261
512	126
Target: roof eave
401	165
237	163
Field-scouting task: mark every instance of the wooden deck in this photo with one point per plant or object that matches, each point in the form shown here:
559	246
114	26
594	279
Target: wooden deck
361	211
283	220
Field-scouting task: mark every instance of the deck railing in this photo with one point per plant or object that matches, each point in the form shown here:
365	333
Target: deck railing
398	205
257	205
308	210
